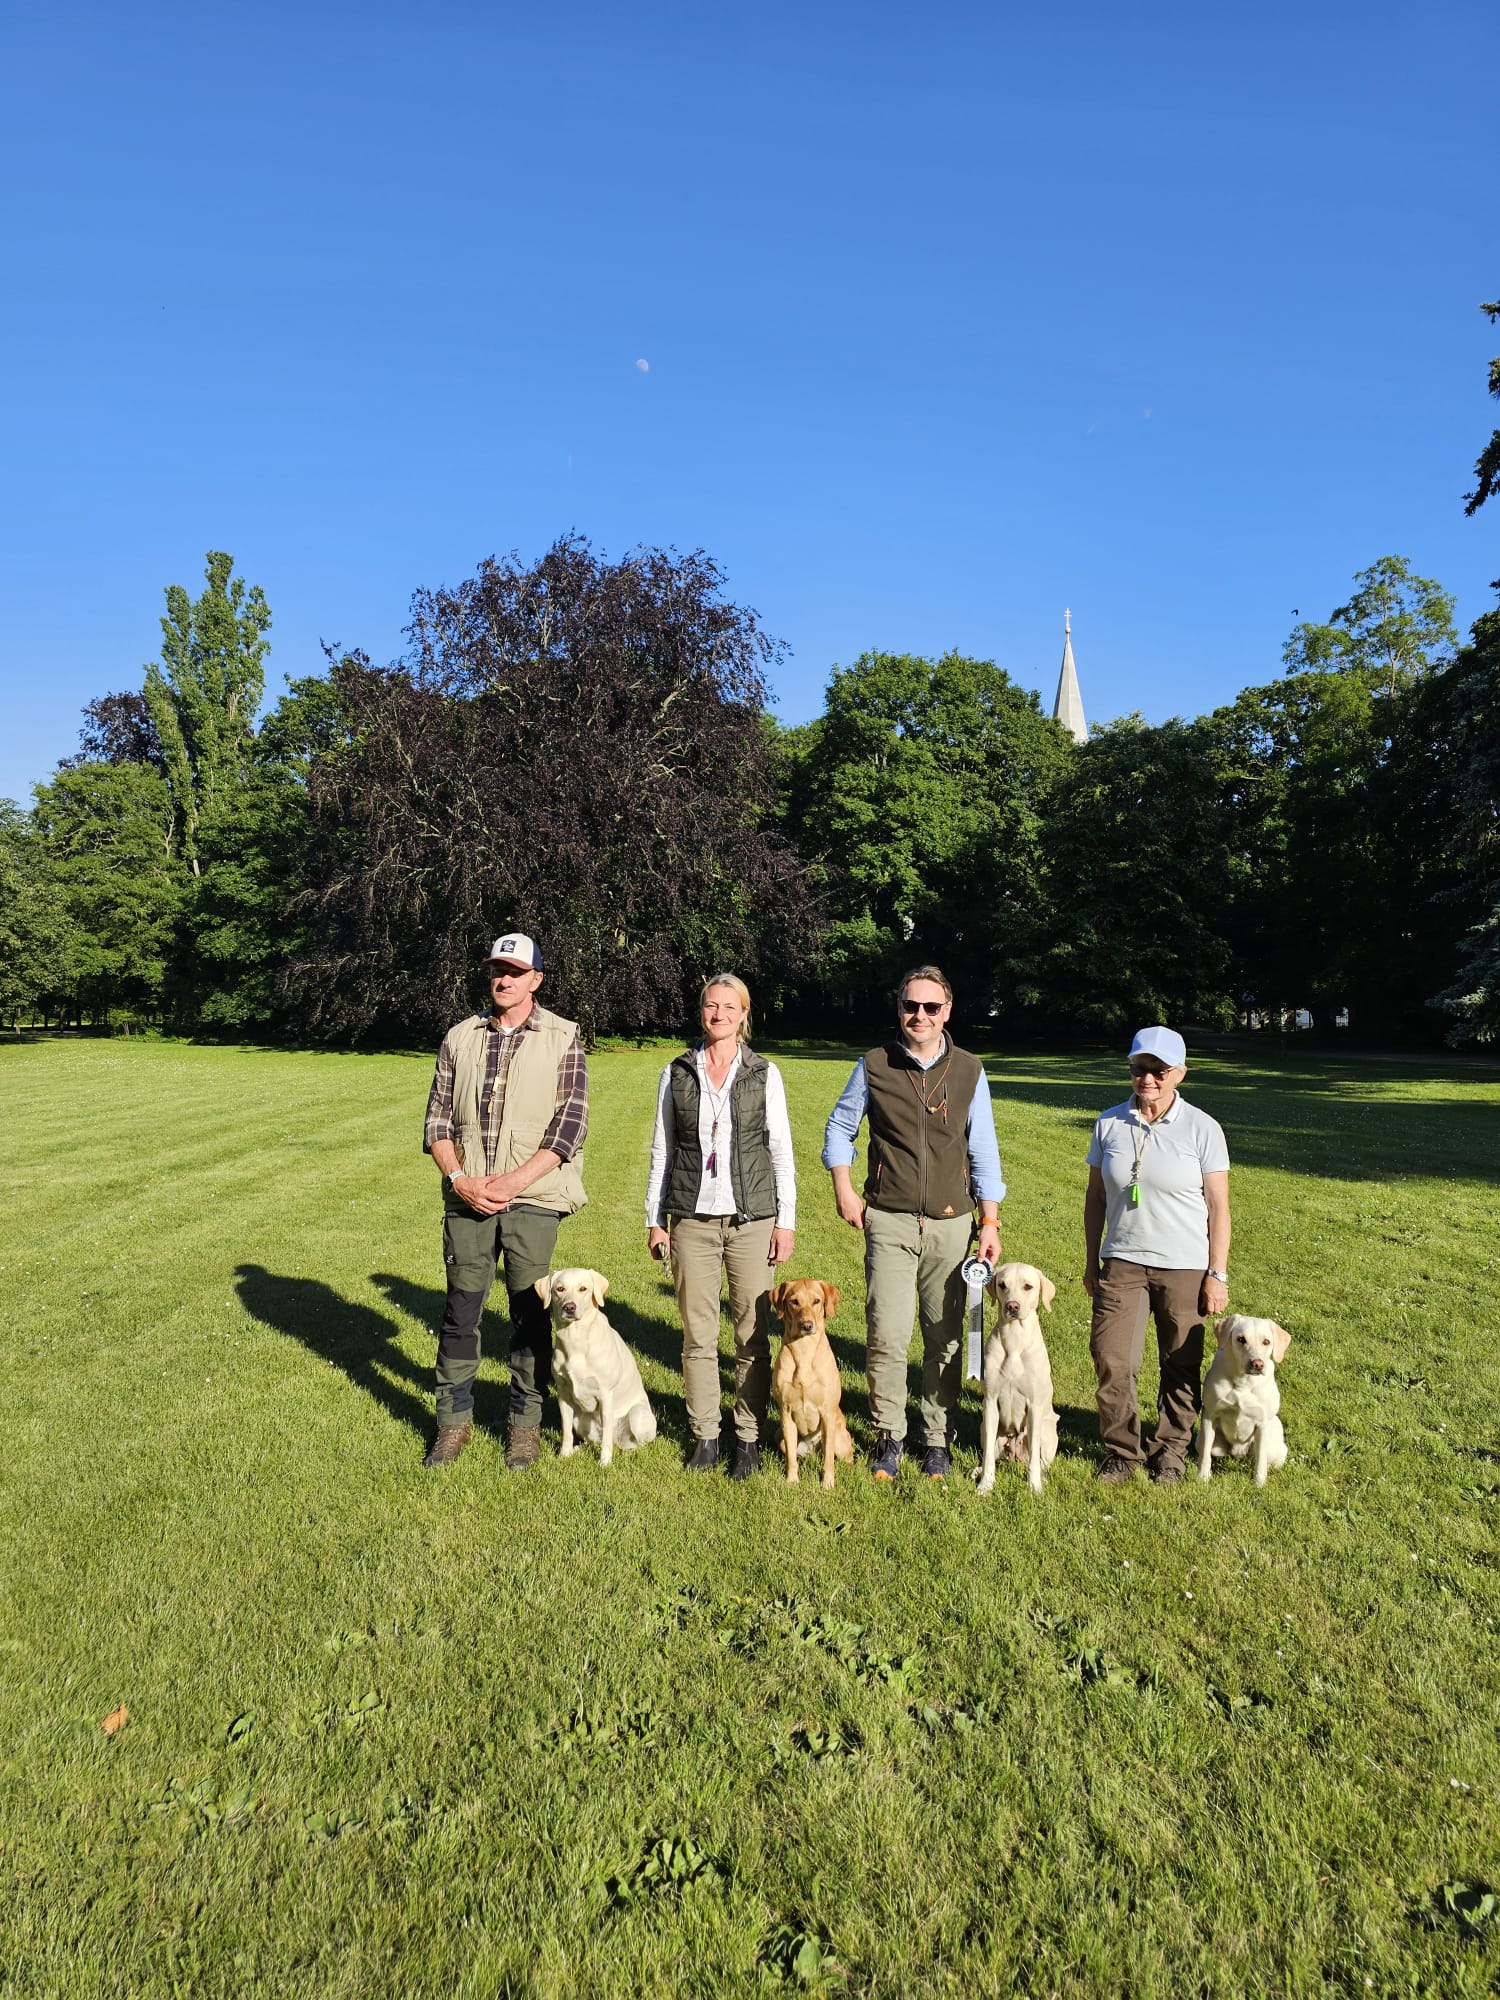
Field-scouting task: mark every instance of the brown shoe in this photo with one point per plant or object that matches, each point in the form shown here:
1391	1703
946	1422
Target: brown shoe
523	1447
448	1443
1168	1474
1116	1472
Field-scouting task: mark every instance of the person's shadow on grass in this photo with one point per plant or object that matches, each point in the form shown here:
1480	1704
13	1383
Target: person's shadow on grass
360	1341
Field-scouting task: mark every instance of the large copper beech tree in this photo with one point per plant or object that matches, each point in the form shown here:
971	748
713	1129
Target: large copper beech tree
574	748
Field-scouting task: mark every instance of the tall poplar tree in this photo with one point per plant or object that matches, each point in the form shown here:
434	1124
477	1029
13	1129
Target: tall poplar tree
203	694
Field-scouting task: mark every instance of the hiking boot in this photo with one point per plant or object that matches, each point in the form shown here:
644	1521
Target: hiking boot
746	1461
1165	1474
885	1460
1116	1472
448	1443
705	1455
936	1464
523	1447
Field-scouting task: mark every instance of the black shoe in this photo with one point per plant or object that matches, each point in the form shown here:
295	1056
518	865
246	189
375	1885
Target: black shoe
885	1460
705	1455
936	1464
746	1461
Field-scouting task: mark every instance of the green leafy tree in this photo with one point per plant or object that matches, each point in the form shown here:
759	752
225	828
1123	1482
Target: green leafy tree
1470	693
1487	465
203	694
37	938
1137	874
107	830
920	794
1392	630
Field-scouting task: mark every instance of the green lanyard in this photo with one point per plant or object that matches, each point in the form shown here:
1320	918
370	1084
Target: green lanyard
1145	1133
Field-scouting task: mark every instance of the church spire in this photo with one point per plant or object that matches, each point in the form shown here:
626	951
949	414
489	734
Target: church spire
1068	707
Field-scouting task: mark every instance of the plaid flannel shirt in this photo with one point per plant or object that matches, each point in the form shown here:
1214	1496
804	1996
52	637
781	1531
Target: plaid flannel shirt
570	1121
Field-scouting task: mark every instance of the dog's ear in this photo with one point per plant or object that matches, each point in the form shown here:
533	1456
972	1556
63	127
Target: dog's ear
1224	1331
778	1296
543	1289
1049	1291
598	1285
830	1301
1281	1340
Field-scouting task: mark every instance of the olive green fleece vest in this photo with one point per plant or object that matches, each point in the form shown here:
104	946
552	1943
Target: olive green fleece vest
529	1107
919	1131
751	1174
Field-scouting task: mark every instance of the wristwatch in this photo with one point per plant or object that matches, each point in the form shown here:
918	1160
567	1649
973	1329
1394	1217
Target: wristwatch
1222	1276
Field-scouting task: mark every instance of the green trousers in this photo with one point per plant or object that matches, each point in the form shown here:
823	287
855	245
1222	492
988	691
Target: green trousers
912	1265
472	1246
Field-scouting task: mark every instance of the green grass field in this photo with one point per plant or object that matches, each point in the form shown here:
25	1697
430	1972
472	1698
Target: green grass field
399	1733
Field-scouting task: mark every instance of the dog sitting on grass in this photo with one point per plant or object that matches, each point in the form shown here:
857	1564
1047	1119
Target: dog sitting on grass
1019	1421
805	1380
1241	1403
599	1387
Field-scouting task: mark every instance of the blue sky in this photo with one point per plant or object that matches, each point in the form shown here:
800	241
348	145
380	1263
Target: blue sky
954	316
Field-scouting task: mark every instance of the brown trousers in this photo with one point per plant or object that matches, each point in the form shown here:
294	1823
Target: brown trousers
1124	1297
705	1249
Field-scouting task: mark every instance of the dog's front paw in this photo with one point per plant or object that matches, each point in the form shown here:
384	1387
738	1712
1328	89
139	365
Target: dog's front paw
985	1485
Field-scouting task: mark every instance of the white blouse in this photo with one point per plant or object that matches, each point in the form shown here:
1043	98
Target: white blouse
716	1188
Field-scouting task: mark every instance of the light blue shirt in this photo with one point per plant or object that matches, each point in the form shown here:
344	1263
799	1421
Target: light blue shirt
848	1114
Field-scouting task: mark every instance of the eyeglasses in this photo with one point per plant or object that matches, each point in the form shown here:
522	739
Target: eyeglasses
1148	1069
923	1006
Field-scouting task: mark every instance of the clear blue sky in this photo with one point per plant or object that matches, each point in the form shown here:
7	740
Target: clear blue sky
954	316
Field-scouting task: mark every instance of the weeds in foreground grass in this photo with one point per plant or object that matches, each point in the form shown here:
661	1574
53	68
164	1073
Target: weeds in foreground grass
389	1733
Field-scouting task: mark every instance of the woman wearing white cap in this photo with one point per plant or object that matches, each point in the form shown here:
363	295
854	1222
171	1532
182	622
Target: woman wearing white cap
1156	1237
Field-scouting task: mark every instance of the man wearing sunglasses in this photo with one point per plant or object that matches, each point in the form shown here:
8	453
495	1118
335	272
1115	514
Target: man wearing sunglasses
506	1120
932	1156
1156	1239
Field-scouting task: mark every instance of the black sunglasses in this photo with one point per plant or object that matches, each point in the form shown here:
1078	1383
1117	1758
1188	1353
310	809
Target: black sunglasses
1147	1069
923	1006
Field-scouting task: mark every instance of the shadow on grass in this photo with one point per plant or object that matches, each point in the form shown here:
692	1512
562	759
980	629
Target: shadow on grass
360	1341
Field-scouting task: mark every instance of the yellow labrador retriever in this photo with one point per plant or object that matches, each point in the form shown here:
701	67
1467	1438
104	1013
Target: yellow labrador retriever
1019	1420
1241	1402
805	1381
599	1387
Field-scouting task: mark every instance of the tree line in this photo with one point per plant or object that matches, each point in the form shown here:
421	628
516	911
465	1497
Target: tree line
582	749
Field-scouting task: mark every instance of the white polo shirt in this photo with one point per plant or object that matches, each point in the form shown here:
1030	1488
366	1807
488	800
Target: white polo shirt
1168	1229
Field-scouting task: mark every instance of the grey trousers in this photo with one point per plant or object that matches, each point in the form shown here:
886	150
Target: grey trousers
1123	1298
704	1249
912	1267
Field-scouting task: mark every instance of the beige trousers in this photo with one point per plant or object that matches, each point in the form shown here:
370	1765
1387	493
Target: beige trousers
706	1248
912	1267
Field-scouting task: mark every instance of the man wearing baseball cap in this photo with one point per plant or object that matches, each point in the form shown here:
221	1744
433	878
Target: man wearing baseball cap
506	1120
1156	1238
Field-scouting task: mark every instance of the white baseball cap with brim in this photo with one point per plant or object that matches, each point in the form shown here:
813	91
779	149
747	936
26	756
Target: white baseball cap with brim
1163	1043
515	948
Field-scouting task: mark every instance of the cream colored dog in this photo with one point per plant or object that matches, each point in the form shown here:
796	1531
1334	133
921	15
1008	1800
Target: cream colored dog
1019	1420
1241	1402
598	1385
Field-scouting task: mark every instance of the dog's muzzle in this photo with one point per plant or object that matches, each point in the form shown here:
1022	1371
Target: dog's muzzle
570	1309
1012	1308
1255	1367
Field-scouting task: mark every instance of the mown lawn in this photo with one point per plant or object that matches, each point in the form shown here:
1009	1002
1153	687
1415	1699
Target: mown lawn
395	1733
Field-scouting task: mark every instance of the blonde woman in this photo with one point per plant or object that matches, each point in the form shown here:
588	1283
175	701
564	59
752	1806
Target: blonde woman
721	1200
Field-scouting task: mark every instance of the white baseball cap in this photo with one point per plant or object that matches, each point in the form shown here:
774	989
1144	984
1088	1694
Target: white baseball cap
1163	1043
515	948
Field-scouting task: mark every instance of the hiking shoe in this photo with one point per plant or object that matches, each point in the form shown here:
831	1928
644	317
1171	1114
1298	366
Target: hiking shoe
885	1460
936	1464
746	1461
448	1443
1116	1472
705	1455
1165	1475
523	1447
